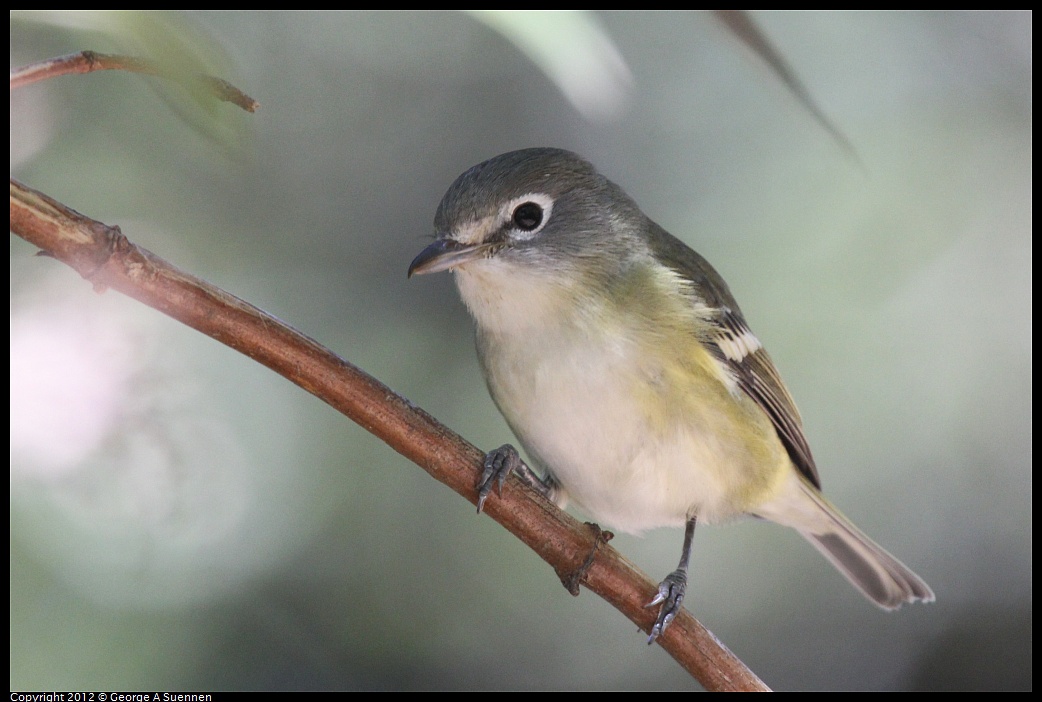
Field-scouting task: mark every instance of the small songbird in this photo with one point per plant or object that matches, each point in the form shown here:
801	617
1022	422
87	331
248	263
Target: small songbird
624	366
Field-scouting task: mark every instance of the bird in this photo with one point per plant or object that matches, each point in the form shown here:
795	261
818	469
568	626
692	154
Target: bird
625	368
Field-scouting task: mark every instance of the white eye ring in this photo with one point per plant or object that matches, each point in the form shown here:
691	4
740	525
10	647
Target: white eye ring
506	215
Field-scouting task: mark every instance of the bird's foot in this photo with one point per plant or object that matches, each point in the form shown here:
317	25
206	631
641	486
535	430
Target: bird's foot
670	596
503	461
499	464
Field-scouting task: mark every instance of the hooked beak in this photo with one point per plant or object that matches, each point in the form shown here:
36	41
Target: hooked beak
444	254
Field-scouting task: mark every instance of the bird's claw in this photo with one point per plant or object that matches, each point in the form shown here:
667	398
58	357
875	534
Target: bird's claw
670	595
499	464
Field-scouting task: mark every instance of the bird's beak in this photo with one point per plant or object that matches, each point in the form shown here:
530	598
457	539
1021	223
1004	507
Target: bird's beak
445	253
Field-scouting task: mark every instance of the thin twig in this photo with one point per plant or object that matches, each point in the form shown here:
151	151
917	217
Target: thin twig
89	61
741	24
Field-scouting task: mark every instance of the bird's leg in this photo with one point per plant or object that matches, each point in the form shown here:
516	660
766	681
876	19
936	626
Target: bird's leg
499	464
671	589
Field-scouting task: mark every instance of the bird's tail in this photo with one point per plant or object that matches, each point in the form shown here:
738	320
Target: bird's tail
879	576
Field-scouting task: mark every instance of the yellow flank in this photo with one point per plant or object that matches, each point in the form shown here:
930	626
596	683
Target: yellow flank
689	397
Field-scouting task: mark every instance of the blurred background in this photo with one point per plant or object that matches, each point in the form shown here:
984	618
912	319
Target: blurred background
183	518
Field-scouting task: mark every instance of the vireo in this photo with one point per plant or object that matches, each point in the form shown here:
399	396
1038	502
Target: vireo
624	366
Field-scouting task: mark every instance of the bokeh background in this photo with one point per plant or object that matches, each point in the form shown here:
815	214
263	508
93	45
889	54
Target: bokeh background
183	518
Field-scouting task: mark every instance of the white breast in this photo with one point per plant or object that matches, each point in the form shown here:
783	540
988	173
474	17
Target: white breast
601	411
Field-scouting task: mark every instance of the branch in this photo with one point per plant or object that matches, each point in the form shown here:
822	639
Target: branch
578	553
90	61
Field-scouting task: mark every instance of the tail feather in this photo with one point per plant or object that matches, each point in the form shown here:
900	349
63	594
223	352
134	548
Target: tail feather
871	569
879	576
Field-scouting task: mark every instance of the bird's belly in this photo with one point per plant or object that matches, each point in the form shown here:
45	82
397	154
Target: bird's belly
638	439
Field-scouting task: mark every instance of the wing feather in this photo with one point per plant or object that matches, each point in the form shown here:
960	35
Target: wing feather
738	348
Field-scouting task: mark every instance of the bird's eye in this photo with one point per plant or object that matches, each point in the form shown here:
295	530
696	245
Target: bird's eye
527	216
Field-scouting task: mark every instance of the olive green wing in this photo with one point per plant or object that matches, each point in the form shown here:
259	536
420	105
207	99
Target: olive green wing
738	349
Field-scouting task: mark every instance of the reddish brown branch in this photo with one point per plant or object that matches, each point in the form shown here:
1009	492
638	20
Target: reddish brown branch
105	257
